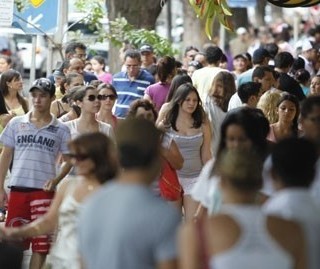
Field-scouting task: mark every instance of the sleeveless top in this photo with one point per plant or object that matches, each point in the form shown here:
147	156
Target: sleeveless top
18	111
190	149
64	252
104	128
255	248
61	110
271	136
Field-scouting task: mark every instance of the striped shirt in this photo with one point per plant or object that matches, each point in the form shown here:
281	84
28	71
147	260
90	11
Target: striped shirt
35	150
129	90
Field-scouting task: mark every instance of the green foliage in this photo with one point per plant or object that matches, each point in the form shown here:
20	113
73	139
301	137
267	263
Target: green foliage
121	31
94	11
21	4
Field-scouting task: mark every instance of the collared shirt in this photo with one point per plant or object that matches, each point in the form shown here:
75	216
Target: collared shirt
35	150
130	90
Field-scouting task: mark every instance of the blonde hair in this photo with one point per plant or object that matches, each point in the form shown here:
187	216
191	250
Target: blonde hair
268	104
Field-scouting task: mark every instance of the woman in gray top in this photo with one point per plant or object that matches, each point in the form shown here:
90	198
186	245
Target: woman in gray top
187	123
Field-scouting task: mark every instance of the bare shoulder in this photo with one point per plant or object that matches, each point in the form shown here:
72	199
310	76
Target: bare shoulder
286	232
224	233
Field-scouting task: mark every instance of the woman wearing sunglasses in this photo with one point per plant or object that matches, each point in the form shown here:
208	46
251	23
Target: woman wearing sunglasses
89	101
93	157
109	97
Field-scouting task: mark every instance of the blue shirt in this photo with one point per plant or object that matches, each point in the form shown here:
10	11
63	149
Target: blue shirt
130	90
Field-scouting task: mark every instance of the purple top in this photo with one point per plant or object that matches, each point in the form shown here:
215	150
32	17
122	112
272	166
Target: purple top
158	93
106	78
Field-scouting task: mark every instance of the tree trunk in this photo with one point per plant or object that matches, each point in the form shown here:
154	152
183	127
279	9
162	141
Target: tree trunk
139	13
194	29
240	17
260	12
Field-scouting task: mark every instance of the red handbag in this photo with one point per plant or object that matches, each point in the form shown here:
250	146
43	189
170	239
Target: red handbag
170	188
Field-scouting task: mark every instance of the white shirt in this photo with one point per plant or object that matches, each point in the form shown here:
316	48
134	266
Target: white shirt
298	205
234	102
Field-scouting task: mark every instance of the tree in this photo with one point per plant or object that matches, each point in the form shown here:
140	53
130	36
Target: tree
139	13
260	12
194	33
240	17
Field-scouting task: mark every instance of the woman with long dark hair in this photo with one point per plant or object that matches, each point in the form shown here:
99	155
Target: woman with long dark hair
287	125
109	97
178	80
242	128
62	106
187	124
11	87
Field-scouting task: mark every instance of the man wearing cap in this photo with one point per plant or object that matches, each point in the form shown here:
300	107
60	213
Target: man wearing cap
240	44
134	228
147	59
33	142
240	64
130	84
309	55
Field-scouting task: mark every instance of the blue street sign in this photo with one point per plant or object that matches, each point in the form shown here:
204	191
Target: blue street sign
41	14
242	3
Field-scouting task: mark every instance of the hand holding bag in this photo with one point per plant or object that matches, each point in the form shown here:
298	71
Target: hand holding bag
170	188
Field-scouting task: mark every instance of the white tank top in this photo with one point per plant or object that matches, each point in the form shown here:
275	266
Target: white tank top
255	247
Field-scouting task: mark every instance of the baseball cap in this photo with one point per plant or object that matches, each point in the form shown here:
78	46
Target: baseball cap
146	48
243	56
241	31
307	45
43	84
259	55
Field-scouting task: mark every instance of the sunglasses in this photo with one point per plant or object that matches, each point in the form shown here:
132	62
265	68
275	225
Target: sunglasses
112	97
78	157
93	97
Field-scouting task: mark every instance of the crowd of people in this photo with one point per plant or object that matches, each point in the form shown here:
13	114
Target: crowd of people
82	164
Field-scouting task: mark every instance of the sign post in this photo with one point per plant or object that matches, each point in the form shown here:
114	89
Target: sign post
39	17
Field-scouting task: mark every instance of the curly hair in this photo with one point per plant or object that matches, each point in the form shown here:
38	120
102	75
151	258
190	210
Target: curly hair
268	104
146	104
